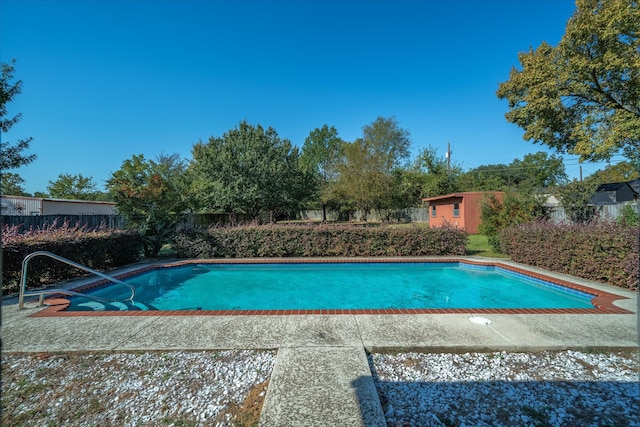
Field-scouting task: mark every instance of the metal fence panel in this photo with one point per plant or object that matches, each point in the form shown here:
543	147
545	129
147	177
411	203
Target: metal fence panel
39	221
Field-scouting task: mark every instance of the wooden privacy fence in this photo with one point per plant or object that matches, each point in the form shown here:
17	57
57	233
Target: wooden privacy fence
204	220
557	214
39	221
400	215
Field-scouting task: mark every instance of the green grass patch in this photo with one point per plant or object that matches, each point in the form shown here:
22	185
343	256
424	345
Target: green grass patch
478	245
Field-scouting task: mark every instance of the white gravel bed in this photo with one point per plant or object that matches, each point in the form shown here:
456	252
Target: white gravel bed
130	389
567	388
180	388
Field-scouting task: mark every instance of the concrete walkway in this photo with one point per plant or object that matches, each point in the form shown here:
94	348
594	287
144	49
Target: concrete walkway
321	376
322	386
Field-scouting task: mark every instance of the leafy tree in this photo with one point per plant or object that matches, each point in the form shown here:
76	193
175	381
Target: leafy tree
583	96
387	143
11	156
575	198
321	153
361	184
103	196
368	164
247	171
514	208
485	178
153	196
629	216
439	177
620	172
73	187
11	184
537	170
407	185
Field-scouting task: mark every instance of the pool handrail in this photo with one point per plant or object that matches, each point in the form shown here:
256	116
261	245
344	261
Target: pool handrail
42	292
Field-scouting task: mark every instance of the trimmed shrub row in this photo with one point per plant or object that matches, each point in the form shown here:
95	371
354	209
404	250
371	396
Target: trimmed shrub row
97	249
317	241
602	251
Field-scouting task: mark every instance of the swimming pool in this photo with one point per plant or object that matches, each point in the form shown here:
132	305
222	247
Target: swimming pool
340	286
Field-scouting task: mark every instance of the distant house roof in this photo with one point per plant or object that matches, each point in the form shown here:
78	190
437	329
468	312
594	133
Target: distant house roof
635	184
612	186
615	192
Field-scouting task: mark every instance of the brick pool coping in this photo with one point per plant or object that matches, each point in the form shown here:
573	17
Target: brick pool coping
602	301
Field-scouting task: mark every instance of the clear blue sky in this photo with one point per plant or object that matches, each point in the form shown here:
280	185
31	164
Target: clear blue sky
103	80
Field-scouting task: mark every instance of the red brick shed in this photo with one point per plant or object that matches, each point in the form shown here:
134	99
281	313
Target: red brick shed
460	210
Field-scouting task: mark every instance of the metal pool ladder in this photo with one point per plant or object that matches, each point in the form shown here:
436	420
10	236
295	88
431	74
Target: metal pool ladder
42	292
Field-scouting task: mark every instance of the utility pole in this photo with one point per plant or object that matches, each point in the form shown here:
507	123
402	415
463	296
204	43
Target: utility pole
580	173
448	158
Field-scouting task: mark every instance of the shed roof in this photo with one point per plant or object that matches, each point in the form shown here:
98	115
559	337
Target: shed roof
611	186
459	195
615	186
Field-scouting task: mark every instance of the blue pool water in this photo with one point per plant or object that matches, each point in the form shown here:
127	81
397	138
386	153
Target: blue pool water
340	286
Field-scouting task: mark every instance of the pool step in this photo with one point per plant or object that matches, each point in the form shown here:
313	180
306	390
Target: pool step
92	306
322	386
115	306
140	306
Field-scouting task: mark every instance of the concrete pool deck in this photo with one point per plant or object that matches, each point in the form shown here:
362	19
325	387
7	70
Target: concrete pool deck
336	388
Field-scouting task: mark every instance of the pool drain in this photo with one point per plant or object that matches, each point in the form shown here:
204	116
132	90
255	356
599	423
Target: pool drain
480	320
484	321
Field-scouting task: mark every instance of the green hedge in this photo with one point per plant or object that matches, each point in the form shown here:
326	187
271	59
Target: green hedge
605	252
317	241
99	250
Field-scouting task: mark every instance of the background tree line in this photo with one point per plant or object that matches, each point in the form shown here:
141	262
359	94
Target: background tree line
251	172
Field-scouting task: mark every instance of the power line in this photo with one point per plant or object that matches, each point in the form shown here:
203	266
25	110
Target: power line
510	167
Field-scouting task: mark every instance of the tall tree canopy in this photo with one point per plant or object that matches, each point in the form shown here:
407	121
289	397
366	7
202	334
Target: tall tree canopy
74	187
247	171
538	170
366	172
534	171
440	177
321	153
152	195
386	143
361	184
620	172
575	198
583	96
11	184
11	156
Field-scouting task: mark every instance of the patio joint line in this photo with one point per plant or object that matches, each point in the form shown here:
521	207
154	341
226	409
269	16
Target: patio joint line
133	334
